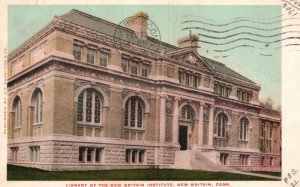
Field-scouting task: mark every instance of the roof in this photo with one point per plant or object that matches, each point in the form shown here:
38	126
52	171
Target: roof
97	24
221	68
108	28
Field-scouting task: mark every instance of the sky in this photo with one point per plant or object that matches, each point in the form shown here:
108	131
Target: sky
245	38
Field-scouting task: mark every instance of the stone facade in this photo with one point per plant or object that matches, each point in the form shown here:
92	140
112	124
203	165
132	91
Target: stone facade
80	102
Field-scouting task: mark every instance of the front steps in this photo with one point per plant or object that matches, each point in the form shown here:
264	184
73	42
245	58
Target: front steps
198	160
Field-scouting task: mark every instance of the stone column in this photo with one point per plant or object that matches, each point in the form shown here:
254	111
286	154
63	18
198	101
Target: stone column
211	126
200	125
85	155
162	127
130	156
175	120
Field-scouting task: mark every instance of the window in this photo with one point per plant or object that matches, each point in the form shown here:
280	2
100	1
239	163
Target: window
90	58
187	79
38	106
90	154
195	81
145	70
134	68
224	158
14	153
134	156
124	64
186	113
89	107
222	89
77	51
262	160
17	112
181	76
244	125
133	113
249	96
34	153
244	160
222	121
244	95
103	59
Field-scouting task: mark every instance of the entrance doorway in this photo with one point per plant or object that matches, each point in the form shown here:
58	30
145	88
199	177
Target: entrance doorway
183	130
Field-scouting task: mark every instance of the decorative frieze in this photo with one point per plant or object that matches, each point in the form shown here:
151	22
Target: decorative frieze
235	81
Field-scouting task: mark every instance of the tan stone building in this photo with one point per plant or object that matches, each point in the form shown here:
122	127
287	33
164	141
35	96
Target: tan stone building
79	99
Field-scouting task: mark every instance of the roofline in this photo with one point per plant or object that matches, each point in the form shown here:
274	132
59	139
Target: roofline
116	25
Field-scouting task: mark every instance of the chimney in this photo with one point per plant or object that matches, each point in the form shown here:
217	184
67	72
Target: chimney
139	24
189	41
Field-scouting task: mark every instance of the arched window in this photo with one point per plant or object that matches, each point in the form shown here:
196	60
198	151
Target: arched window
186	113
244	125
222	121
17	112
37	102
133	116
89	107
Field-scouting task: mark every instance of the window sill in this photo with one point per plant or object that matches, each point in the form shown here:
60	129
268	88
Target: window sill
134	128
90	124
220	138
37	124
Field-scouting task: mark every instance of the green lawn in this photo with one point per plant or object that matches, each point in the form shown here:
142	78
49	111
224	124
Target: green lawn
22	173
278	174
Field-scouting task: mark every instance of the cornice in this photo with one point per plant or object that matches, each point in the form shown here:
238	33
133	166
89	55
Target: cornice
236	81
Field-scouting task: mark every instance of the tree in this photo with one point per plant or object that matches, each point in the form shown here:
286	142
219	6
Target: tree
268	103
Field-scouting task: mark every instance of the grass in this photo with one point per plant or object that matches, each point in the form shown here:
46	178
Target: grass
22	173
278	174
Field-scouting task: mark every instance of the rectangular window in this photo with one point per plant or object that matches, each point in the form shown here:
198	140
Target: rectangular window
34	153
77	51
181	77
228	92
81	154
134	68
90	154
134	156
145	70
261	145
187	79
14	153
98	155
103	59
124	64
90	56
195	81
244	160
224	158
249	96
128	155
141	156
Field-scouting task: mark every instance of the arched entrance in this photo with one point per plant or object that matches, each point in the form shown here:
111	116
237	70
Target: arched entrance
185	127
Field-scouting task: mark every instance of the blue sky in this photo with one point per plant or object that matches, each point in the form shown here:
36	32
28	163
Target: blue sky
245	38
